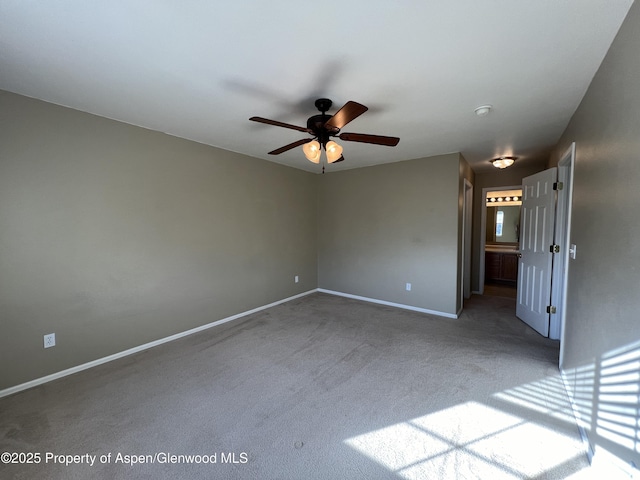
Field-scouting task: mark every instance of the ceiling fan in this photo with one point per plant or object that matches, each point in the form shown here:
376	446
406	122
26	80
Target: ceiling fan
323	126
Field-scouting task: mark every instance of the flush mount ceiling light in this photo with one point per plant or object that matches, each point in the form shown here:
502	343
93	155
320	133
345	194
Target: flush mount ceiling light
503	162
483	110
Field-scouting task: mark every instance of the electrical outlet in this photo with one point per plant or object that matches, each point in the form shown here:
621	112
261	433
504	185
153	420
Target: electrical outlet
408	287
50	340
295	279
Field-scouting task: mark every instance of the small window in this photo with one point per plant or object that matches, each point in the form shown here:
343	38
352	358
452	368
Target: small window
499	222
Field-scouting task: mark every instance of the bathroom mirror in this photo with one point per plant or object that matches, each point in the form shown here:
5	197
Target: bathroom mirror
503	224
503	217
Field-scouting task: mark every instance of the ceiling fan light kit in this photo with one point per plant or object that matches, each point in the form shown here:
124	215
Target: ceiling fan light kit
312	151
503	162
323	127
334	151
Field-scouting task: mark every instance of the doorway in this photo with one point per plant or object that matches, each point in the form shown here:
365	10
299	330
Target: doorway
563	238
499	240
465	263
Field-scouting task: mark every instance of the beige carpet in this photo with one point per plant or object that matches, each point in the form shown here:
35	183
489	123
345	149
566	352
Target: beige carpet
321	387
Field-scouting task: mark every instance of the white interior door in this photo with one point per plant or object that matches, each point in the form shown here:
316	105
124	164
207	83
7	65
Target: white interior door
536	259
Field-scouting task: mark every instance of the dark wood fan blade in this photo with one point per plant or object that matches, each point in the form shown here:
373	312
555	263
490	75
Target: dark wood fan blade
280	150
364	138
279	124
348	112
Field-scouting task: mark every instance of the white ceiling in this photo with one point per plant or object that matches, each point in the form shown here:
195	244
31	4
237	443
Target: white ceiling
198	69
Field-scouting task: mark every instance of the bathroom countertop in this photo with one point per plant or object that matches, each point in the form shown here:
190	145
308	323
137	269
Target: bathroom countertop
502	248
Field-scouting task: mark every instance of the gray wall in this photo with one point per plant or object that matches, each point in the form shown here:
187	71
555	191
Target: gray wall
603	310
383	226
112	236
500	178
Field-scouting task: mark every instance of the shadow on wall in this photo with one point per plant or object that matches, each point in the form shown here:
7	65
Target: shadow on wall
606	398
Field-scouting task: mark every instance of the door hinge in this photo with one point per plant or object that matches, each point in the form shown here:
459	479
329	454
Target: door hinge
554	248
551	309
558	186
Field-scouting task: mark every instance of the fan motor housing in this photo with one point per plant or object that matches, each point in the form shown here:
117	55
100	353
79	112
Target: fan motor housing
317	122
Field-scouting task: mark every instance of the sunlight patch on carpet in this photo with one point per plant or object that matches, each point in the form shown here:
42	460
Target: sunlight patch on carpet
527	433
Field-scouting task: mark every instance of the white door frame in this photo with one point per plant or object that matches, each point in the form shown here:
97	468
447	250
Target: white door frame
566	167
467	215
483	228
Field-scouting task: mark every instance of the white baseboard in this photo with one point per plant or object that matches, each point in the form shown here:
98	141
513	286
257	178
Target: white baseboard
576	416
603	463
139	348
390	304
146	346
